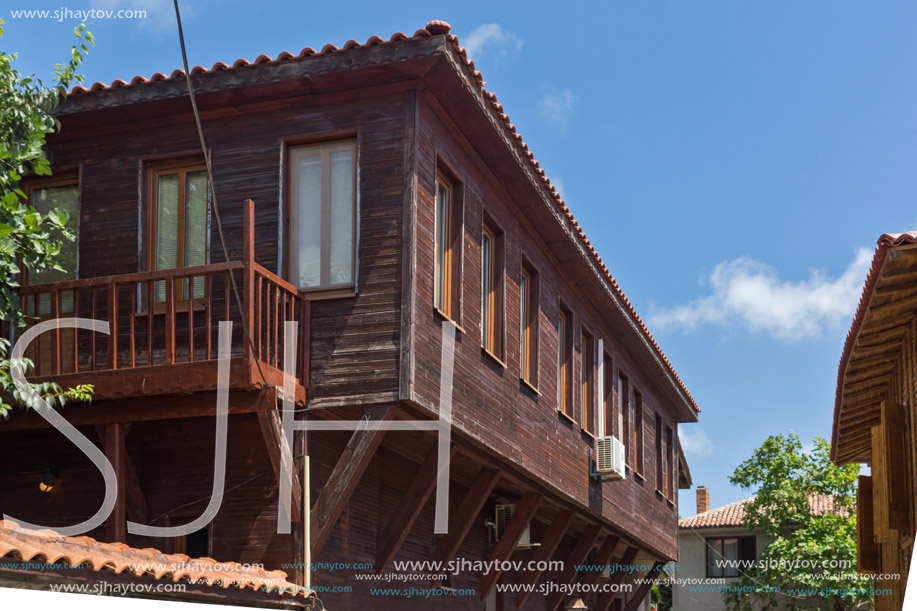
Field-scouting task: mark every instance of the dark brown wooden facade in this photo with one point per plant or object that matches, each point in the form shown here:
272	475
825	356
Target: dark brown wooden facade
875	418
415	109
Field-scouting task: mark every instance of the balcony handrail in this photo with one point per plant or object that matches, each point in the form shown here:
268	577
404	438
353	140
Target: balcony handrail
285	285
159	318
136	277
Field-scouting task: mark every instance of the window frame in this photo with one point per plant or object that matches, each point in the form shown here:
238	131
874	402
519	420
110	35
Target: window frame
493	280
639	434
710	543
61	179
660	455
450	307
528	324
182	167
670	464
587	381
291	188
565	361
624	412
608	388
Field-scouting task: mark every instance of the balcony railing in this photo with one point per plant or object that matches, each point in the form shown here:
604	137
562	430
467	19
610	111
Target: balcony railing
164	328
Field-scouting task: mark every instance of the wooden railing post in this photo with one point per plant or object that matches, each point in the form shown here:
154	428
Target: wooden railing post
305	324
248	274
170	320
113	325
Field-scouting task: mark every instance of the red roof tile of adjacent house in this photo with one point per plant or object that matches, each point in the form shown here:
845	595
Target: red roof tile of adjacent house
50	547
886	241
433	28
733	515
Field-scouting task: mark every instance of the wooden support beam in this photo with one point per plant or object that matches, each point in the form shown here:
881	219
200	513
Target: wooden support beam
136	503
409	509
461	521
577	557
602	559
152	408
116	452
643	591
549	544
272	431
344	478
508	540
607	599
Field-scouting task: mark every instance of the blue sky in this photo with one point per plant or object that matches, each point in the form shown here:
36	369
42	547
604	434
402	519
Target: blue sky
733	162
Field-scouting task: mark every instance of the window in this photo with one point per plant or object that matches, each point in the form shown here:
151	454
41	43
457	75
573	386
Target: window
670	463
179	223
195	544
624	415
492	290
448	243
61	195
725	555
565	362
323	196
660	459
45	196
587	376
638	433
528	325
608	383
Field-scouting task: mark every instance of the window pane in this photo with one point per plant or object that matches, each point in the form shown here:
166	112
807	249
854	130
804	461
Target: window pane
731	556
66	199
442	215
196	225
714	551
309	251
523	321
485	291
342	209
166	227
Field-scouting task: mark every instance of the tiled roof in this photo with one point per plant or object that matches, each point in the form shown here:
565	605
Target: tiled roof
733	515
433	28
50	547
886	241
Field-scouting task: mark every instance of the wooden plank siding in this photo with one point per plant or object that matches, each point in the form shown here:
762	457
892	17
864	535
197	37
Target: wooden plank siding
491	404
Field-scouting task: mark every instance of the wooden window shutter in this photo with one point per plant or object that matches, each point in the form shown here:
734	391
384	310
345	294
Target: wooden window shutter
867	551
889	454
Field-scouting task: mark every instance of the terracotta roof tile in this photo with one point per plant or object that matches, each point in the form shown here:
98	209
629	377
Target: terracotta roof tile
733	514
436	28
885	242
51	547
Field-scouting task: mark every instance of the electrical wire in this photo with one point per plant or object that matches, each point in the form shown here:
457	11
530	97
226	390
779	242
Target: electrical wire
213	195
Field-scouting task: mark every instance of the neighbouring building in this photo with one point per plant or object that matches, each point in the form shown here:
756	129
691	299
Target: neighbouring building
713	545
378	196
874	415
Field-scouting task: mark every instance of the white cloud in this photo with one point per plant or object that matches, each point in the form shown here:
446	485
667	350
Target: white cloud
492	37
694	440
746	292
557	105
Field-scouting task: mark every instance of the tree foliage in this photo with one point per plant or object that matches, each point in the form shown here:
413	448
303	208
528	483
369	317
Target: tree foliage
29	238
810	562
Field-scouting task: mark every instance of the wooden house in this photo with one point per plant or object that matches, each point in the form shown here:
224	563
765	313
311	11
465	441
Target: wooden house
874	416
373	193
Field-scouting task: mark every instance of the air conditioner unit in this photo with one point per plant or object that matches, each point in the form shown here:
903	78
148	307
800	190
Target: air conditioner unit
501	520
609	458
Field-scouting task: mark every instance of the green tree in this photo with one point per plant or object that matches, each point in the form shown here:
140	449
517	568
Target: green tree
27	237
807	552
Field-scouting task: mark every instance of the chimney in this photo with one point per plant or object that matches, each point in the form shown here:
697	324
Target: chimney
703	500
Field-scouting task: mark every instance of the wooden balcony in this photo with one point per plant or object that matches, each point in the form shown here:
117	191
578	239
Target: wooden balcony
164	329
